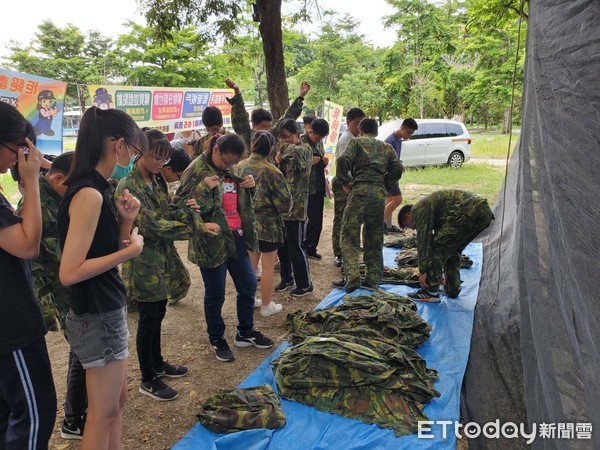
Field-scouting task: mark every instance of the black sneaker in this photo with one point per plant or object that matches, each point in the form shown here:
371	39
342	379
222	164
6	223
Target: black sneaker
158	390
254	339
284	286
367	286
301	292
221	349
314	255
337	261
351	287
423	295
171	371
72	429
339	284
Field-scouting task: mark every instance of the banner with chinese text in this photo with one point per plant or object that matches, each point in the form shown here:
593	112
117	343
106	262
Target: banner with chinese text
332	113
41	101
166	109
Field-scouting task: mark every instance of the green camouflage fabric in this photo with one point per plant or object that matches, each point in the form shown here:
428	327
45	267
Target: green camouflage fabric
408	258
273	196
157	273
373	380
51	295
401	276
371	168
295	164
233	410
200	145
240	120
404	242
446	222
378	315
204	249
340	199
317	150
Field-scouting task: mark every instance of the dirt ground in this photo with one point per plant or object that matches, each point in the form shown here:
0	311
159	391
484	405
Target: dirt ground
152	425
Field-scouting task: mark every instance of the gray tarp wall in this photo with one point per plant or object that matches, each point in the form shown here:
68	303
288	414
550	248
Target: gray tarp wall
535	346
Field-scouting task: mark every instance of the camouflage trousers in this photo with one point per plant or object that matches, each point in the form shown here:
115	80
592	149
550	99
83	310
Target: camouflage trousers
366	204
447	246
340	199
53	299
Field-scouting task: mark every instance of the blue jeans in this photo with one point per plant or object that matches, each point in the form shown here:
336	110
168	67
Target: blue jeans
244	278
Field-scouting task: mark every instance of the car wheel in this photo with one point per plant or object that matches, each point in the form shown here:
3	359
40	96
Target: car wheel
456	159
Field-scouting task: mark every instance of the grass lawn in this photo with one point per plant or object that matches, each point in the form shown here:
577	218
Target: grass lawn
9	188
492	145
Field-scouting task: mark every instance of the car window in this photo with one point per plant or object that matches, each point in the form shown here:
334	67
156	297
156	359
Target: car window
436	130
419	133
454	129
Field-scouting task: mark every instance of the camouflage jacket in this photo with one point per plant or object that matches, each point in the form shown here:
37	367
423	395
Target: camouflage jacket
240	120
317	171
200	144
52	296
204	249
158	272
233	410
273	196
295	163
369	161
432	212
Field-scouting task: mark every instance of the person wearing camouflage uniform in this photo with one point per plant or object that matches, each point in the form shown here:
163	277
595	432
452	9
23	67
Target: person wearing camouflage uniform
367	169
273	199
52	296
319	129
227	200
157	275
340	198
446	222
294	159
261	119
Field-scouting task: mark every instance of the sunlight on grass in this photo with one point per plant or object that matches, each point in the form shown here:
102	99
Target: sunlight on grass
492	145
9	188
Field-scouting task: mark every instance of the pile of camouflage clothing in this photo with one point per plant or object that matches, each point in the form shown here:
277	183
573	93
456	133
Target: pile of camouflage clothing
409	258
404	242
358	360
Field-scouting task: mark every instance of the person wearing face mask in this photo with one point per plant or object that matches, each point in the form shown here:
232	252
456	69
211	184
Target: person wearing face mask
158	275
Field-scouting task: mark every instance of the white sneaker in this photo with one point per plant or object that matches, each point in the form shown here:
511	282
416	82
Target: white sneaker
257	302
270	309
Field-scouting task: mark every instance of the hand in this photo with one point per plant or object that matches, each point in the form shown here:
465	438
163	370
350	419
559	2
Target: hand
347	188
212	228
423	281
128	206
231	85
248	182
304	88
29	165
135	243
212	182
325	160
192	203
316	160
278	157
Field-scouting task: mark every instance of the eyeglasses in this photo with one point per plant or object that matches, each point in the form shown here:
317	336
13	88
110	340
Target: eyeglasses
16	152
161	160
228	164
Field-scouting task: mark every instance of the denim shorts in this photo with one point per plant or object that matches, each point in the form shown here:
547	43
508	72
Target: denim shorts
100	338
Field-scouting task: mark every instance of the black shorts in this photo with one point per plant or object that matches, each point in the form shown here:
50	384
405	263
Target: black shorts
267	247
395	191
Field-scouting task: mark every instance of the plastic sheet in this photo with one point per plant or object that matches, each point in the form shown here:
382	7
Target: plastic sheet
447	351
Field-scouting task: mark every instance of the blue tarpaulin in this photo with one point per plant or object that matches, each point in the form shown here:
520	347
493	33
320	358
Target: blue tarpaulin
447	351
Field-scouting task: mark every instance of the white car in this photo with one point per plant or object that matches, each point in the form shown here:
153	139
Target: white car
437	141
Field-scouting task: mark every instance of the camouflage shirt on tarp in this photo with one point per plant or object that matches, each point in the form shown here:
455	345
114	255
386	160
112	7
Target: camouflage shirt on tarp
158	272
408	258
404	242
369	161
273	196
204	249
240	409
52	296
317	171
295	162
372	380
240	121
430	214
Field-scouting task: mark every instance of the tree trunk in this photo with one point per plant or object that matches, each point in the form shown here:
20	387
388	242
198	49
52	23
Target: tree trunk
270	32
81	97
507	125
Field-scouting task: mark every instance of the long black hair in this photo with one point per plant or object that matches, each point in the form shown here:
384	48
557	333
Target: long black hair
14	128
96	126
230	144
262	143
